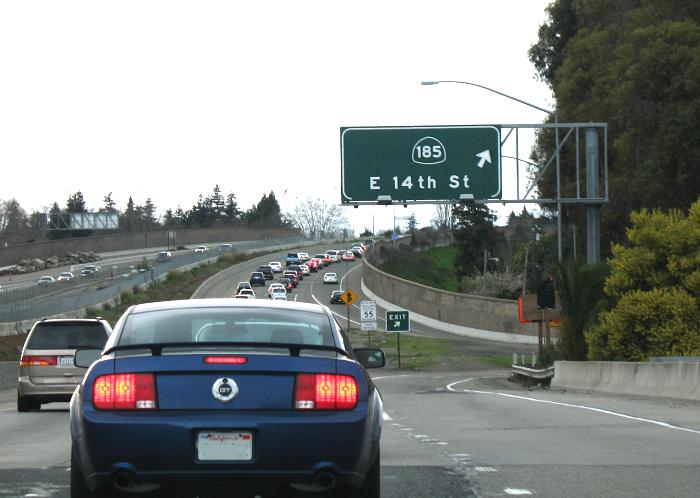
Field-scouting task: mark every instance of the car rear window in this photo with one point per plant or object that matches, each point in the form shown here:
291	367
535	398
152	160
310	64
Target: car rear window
194	325
67	336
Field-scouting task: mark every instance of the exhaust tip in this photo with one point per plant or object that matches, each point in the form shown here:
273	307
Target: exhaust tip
325	480
123	480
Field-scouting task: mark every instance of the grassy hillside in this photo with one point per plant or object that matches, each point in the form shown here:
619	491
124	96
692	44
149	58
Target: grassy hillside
434	268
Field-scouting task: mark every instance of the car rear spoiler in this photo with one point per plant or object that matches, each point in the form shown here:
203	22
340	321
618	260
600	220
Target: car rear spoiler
157	348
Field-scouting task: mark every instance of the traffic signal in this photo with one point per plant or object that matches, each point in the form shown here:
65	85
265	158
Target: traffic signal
545	294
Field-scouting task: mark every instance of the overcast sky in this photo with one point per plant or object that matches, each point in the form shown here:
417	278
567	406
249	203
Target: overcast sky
165	99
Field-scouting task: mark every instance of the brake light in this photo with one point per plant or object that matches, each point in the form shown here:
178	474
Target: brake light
38	361
127	391
325	392
225	360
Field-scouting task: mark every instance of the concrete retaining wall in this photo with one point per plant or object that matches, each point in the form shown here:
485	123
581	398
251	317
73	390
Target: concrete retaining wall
125	241
464	310
668	380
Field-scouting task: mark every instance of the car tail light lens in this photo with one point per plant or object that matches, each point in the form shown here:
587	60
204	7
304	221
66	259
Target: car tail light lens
225	360
38	361
126	391
325	392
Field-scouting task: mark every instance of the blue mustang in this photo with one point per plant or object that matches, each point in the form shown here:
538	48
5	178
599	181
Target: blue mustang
231	397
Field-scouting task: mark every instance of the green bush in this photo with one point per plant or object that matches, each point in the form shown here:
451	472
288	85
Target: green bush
659	322
126	296
655	282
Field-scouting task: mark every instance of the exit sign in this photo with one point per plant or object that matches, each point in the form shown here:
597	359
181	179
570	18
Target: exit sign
398	321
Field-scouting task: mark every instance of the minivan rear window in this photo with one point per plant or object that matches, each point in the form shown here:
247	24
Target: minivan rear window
63	335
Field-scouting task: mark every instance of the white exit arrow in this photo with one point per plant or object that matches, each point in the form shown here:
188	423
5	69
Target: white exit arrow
484	156
397	324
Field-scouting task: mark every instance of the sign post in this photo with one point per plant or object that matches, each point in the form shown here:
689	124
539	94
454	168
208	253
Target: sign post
431	164
348	298
398	321
368	316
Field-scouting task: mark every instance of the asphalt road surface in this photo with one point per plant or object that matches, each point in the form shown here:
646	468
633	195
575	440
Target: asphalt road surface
446	434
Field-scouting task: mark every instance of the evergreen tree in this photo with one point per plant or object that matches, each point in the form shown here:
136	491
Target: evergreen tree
76	203
109	204
232	213
129	218
474	232
266	213
149	215
634	65
412	223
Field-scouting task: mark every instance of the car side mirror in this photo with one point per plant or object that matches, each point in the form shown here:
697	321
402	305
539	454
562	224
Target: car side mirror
370	358
85	357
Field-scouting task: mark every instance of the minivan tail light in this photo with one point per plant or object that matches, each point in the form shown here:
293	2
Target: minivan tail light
325	392
126	391
38	361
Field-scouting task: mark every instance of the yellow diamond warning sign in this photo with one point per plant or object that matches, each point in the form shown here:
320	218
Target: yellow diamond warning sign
349	297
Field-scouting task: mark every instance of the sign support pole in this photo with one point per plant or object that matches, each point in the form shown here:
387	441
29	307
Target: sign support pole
539	336
398	347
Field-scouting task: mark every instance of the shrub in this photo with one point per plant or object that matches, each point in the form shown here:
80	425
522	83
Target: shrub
497	284
659	322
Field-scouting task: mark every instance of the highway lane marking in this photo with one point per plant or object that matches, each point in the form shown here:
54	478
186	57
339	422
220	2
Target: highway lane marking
390	376
385	416
569	405
485	469
511	491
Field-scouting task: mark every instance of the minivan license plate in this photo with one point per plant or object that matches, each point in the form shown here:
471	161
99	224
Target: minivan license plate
229	446
65	361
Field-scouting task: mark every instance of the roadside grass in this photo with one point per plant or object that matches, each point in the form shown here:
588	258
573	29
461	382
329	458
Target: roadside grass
434	268
177	285
426	354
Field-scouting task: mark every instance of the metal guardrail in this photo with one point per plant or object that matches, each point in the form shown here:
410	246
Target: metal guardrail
533	373
33	302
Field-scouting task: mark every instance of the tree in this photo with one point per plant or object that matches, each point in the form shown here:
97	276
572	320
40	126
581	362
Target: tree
76	203
13	218
109	204
232	213
217	205
412	223
149	214
581	298
129	218
655	285
443	218
474	232
266	213
633	65
317	219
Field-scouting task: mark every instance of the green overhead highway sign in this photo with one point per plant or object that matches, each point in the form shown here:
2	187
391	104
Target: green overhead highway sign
408	165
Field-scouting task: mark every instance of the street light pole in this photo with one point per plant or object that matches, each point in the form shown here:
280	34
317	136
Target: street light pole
556	138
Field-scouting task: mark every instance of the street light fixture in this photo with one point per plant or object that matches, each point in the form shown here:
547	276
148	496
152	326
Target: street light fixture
556	135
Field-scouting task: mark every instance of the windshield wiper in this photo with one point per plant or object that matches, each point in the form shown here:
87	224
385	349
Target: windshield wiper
157	348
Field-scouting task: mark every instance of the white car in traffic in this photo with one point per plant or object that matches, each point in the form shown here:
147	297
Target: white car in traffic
249	293
330	278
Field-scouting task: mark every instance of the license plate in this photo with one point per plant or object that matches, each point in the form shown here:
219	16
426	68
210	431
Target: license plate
65	361
228	446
